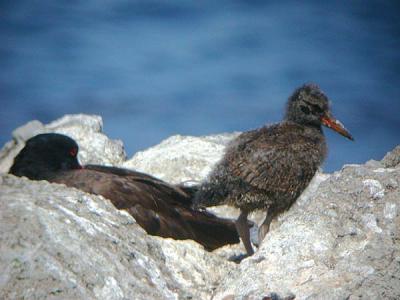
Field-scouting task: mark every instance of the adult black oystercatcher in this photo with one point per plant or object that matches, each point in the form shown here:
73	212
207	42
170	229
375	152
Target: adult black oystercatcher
160	208
269	168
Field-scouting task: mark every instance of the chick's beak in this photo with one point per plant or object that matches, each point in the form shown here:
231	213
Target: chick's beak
329	121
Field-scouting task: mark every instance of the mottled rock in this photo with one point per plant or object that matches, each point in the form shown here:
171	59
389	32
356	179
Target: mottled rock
94	146
12	148
58	242
181	158
28	130
392	158
340	240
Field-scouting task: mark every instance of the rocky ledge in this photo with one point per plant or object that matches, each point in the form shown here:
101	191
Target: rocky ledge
339	241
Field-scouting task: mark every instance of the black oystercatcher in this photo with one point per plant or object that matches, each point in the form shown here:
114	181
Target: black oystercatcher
268	168
160	208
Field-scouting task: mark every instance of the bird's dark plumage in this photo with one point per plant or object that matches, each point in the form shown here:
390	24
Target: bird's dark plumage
160	208
269	168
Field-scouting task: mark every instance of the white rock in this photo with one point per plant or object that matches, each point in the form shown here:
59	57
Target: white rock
390	210
370	222
54	247
178	158
375	188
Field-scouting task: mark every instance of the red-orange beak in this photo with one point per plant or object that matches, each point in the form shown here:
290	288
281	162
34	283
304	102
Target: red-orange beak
329	121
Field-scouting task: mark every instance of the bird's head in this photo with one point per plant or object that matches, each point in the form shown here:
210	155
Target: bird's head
45	154
308	105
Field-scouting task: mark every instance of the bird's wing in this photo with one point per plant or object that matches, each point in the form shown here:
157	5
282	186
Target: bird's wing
157	207
170	193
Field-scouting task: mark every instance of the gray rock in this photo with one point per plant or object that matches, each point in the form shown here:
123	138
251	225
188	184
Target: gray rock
392	159
60	243
339	241
7	154
28	130
12	148
94	146
181	158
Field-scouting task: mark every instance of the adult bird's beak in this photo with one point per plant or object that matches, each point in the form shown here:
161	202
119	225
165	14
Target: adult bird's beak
329	121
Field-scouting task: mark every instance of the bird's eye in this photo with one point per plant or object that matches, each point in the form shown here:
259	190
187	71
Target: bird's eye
315	108
73	152
305	109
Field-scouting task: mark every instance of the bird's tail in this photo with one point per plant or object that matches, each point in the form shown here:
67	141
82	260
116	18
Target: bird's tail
209	194
211	231
190	190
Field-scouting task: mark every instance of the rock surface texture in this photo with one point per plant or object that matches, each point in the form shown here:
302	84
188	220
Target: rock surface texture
340	240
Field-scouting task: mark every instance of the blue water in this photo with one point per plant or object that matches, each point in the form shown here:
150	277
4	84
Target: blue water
152	69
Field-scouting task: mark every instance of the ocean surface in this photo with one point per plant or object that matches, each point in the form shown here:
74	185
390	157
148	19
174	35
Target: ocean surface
153	69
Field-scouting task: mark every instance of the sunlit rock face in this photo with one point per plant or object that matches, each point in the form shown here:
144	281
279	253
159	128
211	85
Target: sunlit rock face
338	241
58	242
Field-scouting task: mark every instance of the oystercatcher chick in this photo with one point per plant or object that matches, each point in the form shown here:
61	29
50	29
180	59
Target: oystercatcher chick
268	168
